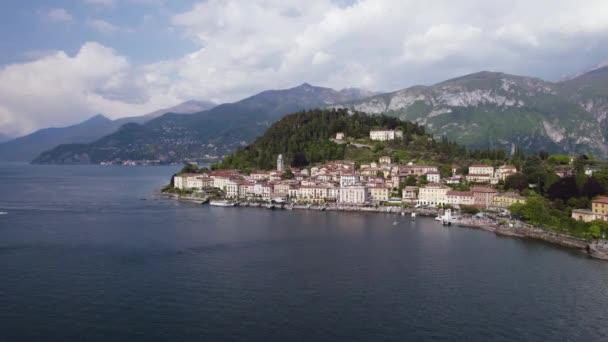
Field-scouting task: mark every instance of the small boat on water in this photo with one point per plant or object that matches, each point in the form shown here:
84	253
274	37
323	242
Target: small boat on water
3	213
446	218
222	203
413	216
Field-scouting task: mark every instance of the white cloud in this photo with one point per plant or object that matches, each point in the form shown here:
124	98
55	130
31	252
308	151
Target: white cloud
58	15
249	46
59	90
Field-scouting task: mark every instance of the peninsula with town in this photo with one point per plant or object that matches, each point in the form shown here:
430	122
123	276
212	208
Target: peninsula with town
337	159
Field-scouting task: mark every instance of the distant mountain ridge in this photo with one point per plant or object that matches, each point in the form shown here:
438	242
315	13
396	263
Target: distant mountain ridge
30	146
209	133
480	110
491	109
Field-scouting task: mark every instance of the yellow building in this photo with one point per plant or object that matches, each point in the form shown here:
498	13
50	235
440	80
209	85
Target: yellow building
433	194
599	206
378	194
507	199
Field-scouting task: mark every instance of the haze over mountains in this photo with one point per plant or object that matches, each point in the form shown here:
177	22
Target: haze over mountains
30	146
481	110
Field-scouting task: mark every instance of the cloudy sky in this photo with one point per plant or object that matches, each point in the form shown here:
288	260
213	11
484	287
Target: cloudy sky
63	61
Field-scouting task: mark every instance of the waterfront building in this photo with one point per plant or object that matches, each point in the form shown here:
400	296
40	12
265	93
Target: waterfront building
505	200
409	193
599	206
353	195
282	188
599	211
246	189
262	190
433	194
232	189
192	181
378	194
483	196
585	215
458	198
313	193
340	136
180	181
385	135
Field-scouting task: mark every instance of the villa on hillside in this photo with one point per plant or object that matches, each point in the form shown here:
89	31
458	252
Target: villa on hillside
385	135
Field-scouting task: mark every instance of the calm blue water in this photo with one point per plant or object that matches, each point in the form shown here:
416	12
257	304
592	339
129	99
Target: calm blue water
84	258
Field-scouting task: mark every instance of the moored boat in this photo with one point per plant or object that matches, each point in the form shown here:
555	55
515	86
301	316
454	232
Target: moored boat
222	203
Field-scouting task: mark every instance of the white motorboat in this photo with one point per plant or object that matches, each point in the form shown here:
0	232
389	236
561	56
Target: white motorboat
216	203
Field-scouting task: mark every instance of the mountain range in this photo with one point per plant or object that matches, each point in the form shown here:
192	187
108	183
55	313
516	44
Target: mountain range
491	109
202	135
480	110
30	146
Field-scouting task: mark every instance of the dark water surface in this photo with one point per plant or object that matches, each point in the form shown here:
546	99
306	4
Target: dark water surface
84	258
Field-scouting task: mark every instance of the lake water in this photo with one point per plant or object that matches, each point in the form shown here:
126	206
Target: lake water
90	253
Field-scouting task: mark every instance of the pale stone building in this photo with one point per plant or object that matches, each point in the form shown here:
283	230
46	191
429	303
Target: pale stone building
433	177
349	179
433	194
385	135
353	195
458	198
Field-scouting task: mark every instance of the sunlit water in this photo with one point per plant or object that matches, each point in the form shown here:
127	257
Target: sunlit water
90	253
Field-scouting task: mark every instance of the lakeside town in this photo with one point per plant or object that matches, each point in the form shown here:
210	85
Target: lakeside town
379	183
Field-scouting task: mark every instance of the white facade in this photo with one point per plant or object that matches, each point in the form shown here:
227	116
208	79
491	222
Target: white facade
349	180
433	194
433	177
339	136
353	195
385	160
385	135
280	163
480	169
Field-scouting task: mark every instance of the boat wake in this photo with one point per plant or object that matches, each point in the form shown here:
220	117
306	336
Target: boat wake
3	212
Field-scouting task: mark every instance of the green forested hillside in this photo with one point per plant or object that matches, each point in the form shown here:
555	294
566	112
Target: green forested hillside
305	138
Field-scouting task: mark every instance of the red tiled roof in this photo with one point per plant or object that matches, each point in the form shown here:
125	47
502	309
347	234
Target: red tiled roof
602	200
482	189
460	193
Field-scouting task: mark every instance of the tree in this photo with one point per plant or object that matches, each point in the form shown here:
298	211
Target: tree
563	189
592	188
189	168
602	177
288	174
518	182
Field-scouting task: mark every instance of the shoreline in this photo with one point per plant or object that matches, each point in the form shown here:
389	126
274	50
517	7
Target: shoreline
595	249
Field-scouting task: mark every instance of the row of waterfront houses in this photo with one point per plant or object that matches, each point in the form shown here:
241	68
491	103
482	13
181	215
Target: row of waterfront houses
340	182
